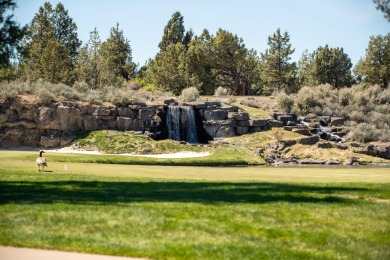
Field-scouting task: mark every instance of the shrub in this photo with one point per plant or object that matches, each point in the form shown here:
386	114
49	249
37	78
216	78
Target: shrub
94	97
285	102
45	96
307	102
81	86
120	98
9	91
132	85
221	91
364	133
190	94
345	96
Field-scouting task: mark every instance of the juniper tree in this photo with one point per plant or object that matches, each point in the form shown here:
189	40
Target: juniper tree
116	54
374	67
51	45
278	73
89	62
173	31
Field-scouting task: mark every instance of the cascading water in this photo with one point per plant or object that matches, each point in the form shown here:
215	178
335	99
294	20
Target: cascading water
181	124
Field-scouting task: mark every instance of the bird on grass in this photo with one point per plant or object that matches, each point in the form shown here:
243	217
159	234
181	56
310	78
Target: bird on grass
41	161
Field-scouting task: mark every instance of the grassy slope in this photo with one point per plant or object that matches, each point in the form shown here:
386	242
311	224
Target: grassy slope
195	212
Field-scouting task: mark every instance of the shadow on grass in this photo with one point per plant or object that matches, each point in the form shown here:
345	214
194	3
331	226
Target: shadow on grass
83	192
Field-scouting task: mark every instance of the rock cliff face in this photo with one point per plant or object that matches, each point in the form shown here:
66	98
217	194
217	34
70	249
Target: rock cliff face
27	124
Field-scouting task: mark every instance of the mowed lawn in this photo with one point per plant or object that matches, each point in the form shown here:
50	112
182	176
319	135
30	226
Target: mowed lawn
166	212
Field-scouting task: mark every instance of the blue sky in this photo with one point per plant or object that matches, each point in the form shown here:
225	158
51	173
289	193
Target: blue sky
310	23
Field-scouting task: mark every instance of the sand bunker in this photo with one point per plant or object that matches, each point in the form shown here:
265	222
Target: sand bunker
168	155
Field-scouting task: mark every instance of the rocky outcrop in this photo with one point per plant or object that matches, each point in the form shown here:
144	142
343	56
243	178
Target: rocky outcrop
54	125
379	149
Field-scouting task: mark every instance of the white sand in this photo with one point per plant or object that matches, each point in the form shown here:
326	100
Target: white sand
170	155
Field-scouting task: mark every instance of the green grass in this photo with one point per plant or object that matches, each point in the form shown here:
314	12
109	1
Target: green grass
114	142
254	113
165	212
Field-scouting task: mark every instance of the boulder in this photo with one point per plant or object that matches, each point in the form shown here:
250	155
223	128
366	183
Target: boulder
47	118
170	102
324	145
244	123
68	119
379	149
285	118
213	104
124	123
275	123
240	130
215	114
225	131
352	161
102	111
341	146
289	128
337	121
230	109
146	114
310	140
259	122
239	116
302	131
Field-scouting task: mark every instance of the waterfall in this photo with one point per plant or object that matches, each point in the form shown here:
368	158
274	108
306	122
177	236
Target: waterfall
181	124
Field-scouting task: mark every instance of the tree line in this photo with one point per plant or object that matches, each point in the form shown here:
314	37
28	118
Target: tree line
49	49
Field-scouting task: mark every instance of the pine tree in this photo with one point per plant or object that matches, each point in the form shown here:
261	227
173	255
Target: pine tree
278	73
332	66
374	68
117	58
51	46
89	61
325	66
168	70
173	31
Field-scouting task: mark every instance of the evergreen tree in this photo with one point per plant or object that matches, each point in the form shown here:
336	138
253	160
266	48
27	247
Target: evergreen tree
117	58
278	73
306	73
66	31
51	45
89	62
374	68
10	34
168	70
173	32
199	66
325	66
233	65
332	66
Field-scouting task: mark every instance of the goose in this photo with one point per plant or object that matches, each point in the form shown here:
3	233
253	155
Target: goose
41	161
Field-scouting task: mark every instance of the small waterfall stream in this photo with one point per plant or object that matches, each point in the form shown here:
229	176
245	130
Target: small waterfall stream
181	124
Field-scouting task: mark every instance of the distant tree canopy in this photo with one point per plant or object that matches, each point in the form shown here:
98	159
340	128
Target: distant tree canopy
49	49
325	66
374	68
